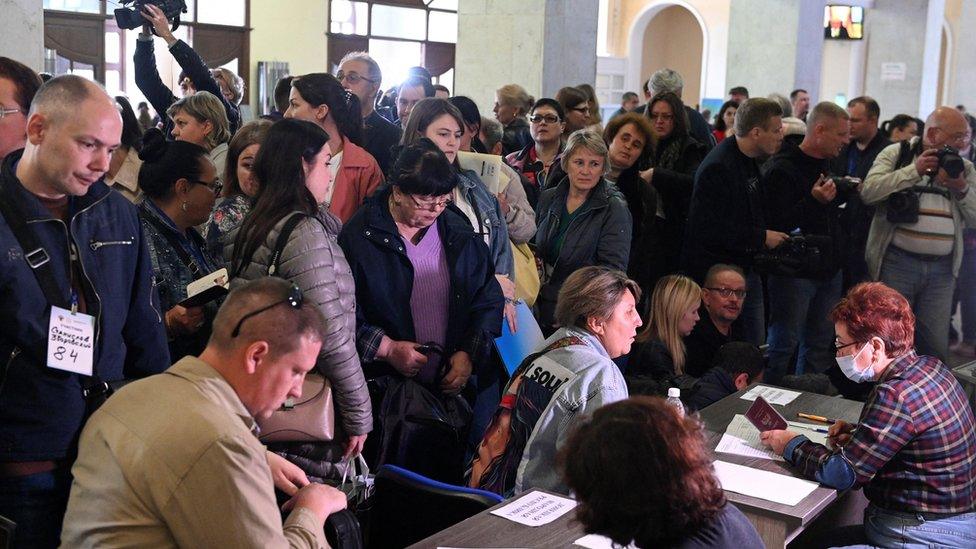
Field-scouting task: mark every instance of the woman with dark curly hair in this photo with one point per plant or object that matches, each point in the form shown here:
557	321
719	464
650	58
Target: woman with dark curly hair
661	491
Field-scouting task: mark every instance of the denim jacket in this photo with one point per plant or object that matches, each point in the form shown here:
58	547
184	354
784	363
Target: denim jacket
491	220
173	276
592	381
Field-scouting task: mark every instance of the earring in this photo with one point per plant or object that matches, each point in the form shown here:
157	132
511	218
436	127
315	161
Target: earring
184	206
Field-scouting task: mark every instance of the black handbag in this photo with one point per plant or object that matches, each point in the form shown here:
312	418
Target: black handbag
420	429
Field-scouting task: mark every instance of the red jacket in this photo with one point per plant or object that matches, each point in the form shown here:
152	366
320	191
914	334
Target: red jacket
358	176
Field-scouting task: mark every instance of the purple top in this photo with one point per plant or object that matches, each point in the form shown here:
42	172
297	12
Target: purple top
429	296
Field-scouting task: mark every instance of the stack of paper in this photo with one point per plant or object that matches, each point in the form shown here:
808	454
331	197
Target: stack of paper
763	484
773	395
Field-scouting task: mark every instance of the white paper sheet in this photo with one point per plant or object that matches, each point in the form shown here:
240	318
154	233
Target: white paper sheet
536	509
594	541
773	395
763	484
809	430
742	438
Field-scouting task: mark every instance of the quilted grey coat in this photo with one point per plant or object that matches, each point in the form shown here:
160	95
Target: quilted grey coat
313	260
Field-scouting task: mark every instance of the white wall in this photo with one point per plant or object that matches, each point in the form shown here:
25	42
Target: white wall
288	30
22	32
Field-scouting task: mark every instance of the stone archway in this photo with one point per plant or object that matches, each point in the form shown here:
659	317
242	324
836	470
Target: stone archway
669	33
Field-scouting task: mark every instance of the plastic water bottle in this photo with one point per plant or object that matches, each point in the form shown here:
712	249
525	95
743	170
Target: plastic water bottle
674	399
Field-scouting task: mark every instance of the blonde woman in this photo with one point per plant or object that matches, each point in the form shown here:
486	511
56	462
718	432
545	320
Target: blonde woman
673	312
201	119
512	103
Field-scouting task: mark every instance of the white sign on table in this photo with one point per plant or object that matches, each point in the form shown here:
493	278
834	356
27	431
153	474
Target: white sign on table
773	395
536	509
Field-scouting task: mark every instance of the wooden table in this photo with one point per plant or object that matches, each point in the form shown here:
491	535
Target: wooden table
777	524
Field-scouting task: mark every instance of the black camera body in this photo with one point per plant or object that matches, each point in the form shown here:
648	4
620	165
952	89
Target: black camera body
903	206
845	184
130	18
797	255
950	161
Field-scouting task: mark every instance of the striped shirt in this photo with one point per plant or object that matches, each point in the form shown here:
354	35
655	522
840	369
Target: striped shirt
935	231
914	448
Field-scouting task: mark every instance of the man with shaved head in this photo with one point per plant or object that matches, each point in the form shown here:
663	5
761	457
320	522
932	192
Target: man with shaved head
918	250
78	310
172	461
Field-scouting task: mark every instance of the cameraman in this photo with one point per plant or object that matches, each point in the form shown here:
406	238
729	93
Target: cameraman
921	259
799	195
197	75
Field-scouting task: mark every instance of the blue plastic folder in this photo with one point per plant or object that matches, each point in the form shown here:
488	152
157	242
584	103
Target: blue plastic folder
513	348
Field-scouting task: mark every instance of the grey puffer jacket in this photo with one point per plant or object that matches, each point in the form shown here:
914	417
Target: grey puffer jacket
313	260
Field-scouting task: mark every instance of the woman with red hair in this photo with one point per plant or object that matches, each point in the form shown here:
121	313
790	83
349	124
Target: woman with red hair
914	446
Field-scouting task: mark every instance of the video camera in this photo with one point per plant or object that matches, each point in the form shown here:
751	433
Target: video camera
130	18
798	254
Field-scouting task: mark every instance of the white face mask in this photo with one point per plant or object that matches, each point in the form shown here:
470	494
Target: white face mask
847	366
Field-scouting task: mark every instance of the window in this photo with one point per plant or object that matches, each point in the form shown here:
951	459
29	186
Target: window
399	34
82	37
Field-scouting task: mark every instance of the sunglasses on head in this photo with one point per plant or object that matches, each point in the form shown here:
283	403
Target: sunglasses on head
294	298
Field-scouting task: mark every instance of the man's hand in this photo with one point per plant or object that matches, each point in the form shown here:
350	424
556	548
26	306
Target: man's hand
776	440
181	320
320	499
775	238
157	19
954	184
839	434
927	162
354	446
288	477
457	377
824	190
402	355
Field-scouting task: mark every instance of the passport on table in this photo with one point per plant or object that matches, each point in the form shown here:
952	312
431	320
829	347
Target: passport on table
764	416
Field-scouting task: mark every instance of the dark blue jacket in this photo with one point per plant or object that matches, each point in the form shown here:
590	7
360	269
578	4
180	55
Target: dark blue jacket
715	385
384	281
42	409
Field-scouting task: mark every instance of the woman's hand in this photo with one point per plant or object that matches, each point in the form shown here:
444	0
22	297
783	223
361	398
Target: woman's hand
181	320
776	440
288	477
457	377
354	446
402	355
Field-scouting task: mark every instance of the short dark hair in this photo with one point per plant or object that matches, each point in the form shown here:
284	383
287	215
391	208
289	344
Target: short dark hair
797	92
755	113
739	90
415	82
662	489
165	162
549	102
469	110
627	96
441	87
642	123
281	92
871	106
26	81
423	169
737	357
280	326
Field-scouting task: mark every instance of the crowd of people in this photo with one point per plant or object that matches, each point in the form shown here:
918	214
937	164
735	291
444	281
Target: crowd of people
658	250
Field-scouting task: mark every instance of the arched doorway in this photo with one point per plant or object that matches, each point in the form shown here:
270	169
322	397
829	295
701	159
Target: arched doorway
669	34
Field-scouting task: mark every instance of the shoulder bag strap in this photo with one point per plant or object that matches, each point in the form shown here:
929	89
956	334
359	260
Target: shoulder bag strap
274	264
35	255
177	246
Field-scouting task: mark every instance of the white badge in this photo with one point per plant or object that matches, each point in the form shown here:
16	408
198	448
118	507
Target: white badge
70	341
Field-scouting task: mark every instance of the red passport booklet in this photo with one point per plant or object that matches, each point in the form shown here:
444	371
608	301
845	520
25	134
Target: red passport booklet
764	416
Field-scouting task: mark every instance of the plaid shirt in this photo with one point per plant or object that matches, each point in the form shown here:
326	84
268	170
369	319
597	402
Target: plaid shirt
914	448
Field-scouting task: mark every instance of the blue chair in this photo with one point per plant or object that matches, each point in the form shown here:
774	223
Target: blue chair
407	507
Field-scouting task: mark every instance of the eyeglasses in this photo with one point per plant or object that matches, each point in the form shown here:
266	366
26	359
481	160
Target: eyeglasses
431	205
216	186
664	117
728	292
548	119
5	111
294	298
838	347
353	77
